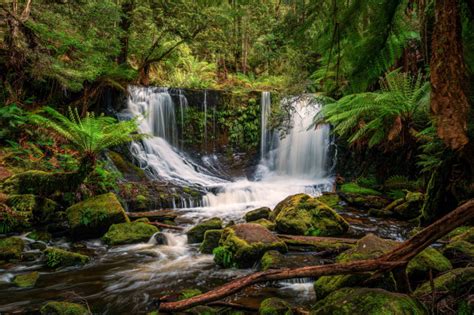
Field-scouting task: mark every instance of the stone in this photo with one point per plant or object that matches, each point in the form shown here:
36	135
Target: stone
303	215
408	207
275	260
266	224
274	306
63	308
129	233
456	282
26	280
243	245
43	210
331	199
161	239
368	301
93	217
211	241
11	248
260	213
196	233
57	258
42	236
460	253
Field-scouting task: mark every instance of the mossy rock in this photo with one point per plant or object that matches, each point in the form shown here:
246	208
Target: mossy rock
429	259
368	301
365	201
43	210
455	282
196	233
42	236
211	241
303	215
467	236
129	170
93	217
260	213
354	188
63	308
408	207
460	253
243	245
129	233
273	259
188	293
331	199
26	280
57	258
11	248
457	231
266	224
30	182
274	306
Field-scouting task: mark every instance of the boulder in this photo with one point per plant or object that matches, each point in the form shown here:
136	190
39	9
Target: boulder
367	301
129	233
274	306
429	259
26	280
30	182
196	233
43	210
303	215
354	188
63	308
331	199
57	258
11	248
211	241
408	207
93	217
266	224
260	213
365	201
460	253
275	260
40	236
243	245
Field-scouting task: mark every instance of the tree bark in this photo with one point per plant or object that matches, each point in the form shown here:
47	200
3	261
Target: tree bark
449	101
397	258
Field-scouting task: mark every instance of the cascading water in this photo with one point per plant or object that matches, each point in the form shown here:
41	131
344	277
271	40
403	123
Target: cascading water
265	108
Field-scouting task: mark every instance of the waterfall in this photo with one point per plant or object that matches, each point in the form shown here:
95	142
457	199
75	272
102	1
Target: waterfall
265	104
205	120
183	106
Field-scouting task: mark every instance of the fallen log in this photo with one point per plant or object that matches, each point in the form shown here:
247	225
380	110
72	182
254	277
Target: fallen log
397	258
317	242
155	215
166	226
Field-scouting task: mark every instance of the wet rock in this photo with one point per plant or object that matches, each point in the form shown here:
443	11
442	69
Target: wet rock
274	306
266	224
56	258
38	245
275	260
408	207
26	280
11	248
211	241
63	308
196	233
42	236
331	199
455	282
243	245
130	171
93	217
260	213
161	239
129	233
367	301
365	201
303	215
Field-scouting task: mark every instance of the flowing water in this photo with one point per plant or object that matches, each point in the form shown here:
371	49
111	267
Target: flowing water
127	279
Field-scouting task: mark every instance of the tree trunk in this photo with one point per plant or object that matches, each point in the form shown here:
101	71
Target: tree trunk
397	258
449	102
125	23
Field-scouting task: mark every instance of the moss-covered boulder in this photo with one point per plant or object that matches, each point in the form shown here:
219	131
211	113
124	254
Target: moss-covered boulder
365	201
356	189
130	171
196	233
408	207
30	182
243	245
129	233
57	258
331	199
466	235
260	213
303	215
93	217
429	259
460	253
43	210
274	306
455	282
275	260
11	248
211	241
368	301
266	224
26	280
63	308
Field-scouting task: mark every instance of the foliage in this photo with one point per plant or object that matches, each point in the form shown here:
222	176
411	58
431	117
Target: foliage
12	119
223	256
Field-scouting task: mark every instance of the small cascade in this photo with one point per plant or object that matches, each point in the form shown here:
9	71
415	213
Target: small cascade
204	104
266	109
183	107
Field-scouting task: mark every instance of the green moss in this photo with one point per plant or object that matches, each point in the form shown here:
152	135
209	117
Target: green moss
27	280
188	293
467	236
63	308
266	224
211	241
39	236
428	259
128	169
202	310
25	202
274	306
260	213
269	259
303	215
42	210
11	248
457	231
93	217
459	251
330	199
353	188
30	182
366	301
129	233
196	233
455	282
56	258
327	284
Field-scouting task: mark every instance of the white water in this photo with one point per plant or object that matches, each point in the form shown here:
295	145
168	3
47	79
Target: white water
294	164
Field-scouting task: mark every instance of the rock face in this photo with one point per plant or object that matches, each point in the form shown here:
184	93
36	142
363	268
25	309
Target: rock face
11	248
303	215
274	306
26	280
56	258
242	245
129	233
196	233
93	217
366	301
260	213
211	241
63	308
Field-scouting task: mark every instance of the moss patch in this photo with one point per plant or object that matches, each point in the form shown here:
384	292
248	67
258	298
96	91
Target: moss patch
63	308
266	224
211	241
56	258
26	280
330	199
129	233
455	282
196	233
40	236
93	217
260	213
428	259
275	306
353	188
188	293
11	248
